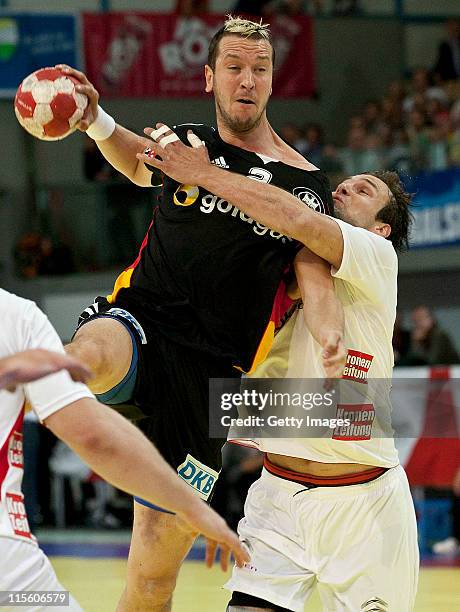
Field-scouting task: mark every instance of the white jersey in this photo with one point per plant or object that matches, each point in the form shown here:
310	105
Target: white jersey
23	326
366	285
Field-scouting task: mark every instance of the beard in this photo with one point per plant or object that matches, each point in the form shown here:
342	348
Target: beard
236	124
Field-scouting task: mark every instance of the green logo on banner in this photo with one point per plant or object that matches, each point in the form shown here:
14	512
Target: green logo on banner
9	38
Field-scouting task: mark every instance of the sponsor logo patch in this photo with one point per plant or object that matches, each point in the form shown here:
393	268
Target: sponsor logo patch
360	417
198	476
17	513
15	451
310	198
357	366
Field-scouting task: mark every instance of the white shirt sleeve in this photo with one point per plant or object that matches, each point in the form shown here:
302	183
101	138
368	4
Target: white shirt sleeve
49	394
369	261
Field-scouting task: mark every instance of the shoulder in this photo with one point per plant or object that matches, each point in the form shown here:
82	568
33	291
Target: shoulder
359	239
16	307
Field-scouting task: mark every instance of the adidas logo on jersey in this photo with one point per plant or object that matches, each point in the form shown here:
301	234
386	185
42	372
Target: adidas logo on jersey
220	162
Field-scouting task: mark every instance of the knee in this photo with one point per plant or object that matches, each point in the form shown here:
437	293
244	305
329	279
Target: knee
156	591
96	353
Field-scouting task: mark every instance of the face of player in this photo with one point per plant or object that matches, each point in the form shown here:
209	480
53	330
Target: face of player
241	81
358	199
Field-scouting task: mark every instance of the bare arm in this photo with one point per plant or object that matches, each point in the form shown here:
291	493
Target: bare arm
121	147
32	364
120	151
122	455
322	310
267	204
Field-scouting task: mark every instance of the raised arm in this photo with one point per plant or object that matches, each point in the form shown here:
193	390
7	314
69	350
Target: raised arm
322	310
118	145
266	204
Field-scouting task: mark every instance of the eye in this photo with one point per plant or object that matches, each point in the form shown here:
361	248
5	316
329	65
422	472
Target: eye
261	70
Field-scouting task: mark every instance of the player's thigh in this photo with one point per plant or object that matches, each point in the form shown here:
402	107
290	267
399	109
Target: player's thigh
106	345
376	559
160	542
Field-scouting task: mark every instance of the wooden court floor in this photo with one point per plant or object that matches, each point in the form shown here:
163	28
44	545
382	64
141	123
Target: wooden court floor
97	584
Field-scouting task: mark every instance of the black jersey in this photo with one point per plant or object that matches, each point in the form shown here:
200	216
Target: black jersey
207	274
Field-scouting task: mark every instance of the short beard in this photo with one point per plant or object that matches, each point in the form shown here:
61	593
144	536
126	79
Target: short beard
237	125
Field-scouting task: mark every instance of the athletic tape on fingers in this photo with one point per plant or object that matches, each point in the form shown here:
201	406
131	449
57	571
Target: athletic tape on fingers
167	139
194	140
159	132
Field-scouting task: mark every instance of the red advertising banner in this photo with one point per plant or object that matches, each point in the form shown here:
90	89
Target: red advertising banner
154	55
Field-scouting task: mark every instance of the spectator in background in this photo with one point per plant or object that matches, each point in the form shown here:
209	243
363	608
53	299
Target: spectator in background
418	133
429	344
362	152
392	113
401	340
447	67
422	90
372	116
396	148
314	143
292	134
454	135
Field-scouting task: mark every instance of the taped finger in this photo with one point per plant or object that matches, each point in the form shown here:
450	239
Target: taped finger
168	139
194	140
155	134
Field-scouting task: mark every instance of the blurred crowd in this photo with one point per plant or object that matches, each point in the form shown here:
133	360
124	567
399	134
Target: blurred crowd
415	126
424	342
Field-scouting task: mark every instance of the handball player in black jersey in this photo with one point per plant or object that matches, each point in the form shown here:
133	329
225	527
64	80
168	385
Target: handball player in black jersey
203	297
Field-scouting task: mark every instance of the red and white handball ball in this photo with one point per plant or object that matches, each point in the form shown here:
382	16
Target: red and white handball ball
47	105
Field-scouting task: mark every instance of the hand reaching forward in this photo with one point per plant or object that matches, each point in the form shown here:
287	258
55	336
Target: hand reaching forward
180	162
202	519
33	364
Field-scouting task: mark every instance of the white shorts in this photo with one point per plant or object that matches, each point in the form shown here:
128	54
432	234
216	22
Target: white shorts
25	567
357	544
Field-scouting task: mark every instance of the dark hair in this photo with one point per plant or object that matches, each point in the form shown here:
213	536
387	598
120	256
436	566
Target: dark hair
397	211
235	26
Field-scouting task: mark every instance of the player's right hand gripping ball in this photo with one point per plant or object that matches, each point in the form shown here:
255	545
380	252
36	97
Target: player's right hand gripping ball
47	105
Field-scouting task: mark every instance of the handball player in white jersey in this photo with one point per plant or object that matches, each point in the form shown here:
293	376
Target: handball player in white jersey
334	513
30	349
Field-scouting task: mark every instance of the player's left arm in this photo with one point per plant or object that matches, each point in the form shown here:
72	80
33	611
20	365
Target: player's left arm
266	204
322	310
33	364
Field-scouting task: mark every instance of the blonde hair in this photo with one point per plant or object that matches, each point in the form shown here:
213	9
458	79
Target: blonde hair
245	27
237	26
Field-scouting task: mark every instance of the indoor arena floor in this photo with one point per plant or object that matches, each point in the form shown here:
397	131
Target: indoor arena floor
96	580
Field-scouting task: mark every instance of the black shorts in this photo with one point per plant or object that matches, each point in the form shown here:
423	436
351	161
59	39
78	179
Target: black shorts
170	402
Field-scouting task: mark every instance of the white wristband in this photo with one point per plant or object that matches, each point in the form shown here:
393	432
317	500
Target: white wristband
102	127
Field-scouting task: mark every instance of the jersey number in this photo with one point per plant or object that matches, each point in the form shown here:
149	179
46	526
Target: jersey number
260	174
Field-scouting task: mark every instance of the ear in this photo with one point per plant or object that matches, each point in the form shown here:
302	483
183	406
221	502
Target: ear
382	229
209	76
